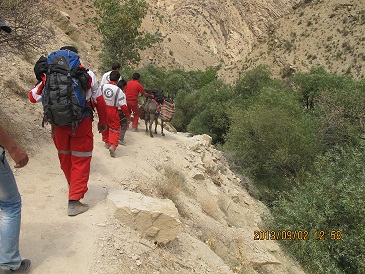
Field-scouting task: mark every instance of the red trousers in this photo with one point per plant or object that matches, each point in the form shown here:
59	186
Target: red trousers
75	152
133	107
111	135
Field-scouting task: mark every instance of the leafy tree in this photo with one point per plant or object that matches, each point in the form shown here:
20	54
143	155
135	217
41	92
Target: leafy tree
176	81
337	101
313	83
186	88
251	82
26	18
119	24
153	77
201	78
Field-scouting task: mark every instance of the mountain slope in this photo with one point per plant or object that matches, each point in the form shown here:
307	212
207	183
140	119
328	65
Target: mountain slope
287	36
321	33
195	35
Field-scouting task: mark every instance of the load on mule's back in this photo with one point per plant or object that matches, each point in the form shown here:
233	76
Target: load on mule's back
157	106
167	109
64	95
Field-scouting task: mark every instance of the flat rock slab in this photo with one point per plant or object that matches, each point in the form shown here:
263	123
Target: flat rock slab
155	219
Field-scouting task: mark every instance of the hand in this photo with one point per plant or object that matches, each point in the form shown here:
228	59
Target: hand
19	156
102	128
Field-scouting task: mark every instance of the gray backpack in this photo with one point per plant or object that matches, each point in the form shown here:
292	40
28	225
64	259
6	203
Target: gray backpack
64	95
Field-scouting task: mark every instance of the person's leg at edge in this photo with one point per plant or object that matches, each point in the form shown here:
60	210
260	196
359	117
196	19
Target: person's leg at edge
10	217
105	137
124	127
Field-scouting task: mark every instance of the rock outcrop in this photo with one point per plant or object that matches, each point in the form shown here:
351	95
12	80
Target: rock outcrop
155	219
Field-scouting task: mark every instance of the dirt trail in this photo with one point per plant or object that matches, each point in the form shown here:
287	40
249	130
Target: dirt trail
55	242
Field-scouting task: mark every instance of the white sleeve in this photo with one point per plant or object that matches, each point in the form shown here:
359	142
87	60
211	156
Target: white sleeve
97	93
121	99
94	83
95	88
105	79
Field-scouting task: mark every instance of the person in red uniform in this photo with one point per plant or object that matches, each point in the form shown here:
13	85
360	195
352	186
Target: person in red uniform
75	147
132	90
114	98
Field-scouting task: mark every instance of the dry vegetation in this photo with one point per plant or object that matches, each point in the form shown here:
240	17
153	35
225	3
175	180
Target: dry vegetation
320	33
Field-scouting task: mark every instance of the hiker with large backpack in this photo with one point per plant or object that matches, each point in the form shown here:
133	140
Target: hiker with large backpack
68	93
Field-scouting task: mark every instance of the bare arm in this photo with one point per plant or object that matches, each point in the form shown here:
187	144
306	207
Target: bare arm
19	156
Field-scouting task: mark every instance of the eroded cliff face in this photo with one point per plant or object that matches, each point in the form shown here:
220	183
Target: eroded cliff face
198	34
238	34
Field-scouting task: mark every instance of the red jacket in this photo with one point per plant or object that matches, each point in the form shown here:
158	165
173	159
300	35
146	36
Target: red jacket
132	89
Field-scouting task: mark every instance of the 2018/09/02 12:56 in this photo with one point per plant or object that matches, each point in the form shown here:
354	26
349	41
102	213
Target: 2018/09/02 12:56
300	235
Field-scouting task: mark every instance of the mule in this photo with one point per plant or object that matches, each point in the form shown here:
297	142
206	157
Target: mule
151	114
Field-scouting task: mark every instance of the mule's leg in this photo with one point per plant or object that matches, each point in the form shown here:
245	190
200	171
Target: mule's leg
152	118
146	122
156	123
163	134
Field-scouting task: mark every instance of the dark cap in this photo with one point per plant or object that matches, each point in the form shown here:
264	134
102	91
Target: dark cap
5	27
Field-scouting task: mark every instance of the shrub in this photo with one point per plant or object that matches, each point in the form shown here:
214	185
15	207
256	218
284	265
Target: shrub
26	19
252	81
330	200
212	117
274	141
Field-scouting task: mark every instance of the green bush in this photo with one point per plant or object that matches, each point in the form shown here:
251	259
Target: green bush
336	101
212	103
251	82
273	140
186	110
331	199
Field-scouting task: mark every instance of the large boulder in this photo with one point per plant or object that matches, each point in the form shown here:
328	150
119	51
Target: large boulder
155	219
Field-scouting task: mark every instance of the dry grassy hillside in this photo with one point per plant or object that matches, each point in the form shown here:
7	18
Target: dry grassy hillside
238	35
326	33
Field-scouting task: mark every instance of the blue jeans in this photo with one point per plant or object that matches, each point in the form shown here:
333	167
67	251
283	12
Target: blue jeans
10	215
